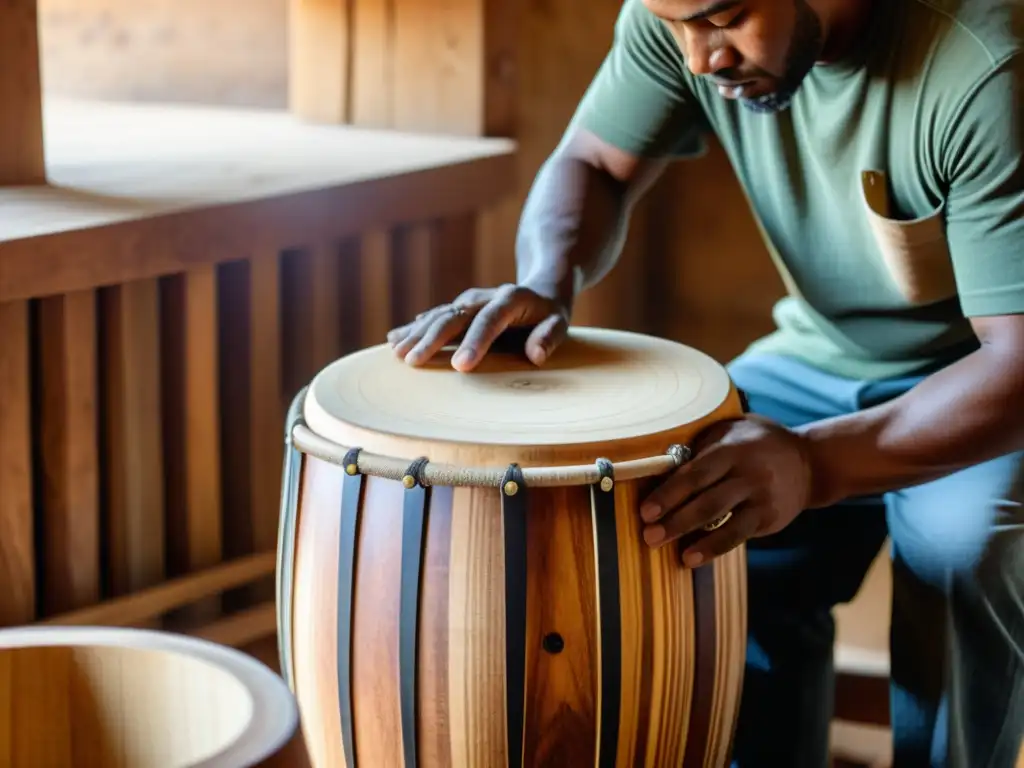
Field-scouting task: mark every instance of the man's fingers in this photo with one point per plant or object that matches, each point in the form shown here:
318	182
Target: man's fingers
444	328
414	333
545	338
705	508
489	323
395	335
700	473
735	531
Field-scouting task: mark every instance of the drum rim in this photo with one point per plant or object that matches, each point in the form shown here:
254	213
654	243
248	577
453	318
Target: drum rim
275	714
356	461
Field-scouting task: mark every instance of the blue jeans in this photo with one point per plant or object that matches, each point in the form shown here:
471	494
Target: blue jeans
957	642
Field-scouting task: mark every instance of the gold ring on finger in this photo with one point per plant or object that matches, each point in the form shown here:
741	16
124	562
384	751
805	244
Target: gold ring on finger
717	523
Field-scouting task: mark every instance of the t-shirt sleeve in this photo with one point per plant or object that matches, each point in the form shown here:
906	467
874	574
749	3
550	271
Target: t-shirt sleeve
639	100
985	194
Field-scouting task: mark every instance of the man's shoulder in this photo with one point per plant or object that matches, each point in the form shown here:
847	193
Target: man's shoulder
941	54
985	32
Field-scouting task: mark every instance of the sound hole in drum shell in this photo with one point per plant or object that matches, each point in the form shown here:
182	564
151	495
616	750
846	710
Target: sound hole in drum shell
553	643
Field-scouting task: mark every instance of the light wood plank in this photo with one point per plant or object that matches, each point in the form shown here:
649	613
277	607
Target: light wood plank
134	454
373	66
318	66
439	66
17	554
22	159
70	452
184	51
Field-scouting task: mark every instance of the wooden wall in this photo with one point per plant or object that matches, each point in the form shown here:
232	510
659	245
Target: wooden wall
694	267
203	51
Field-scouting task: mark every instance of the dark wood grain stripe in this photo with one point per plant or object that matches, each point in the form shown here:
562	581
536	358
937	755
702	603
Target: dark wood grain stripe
514	511
285	575
351	499
603	501
414	516
705	659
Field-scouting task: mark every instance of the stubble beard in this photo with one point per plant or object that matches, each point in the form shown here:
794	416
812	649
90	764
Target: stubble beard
803	52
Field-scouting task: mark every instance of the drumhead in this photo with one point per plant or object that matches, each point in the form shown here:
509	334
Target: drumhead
603	393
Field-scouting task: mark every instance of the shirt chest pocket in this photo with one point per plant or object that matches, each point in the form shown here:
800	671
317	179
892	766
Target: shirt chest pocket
915	252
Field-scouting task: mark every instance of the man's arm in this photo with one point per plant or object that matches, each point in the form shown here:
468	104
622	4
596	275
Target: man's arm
963	415
637	114
576	216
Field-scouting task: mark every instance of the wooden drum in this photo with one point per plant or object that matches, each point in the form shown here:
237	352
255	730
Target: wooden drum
78	697
462	579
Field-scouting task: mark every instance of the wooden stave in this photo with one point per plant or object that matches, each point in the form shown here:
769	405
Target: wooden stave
720	585
111	659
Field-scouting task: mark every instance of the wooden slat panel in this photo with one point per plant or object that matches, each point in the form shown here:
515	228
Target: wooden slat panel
453	268
266	406
233	309
70	450
17	556
318	68
134	450
192	442
138	608
375	271
252	404
311	292
412	291
21	116
324	291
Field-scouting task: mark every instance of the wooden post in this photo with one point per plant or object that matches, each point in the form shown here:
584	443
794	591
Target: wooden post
22	161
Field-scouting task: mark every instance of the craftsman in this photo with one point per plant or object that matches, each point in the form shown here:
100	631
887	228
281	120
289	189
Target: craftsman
881	146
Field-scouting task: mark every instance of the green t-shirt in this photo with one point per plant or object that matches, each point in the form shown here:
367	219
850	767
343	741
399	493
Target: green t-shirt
890	194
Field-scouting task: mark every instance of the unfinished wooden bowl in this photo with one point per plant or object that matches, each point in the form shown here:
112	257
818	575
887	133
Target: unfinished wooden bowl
128	698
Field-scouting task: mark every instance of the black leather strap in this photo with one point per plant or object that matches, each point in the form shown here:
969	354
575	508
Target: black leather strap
603	499
351	497
514	512
414	515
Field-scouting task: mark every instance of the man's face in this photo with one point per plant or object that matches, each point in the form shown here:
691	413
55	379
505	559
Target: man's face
757	51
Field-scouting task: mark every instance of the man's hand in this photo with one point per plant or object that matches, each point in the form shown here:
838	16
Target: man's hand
483	314
755	469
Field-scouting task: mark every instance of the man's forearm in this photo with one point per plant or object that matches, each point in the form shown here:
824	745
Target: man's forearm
572	229
963	415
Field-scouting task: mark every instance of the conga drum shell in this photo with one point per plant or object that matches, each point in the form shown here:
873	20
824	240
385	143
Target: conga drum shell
79	697
462	576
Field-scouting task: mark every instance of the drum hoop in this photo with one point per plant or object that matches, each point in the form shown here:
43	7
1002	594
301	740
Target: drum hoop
420	469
